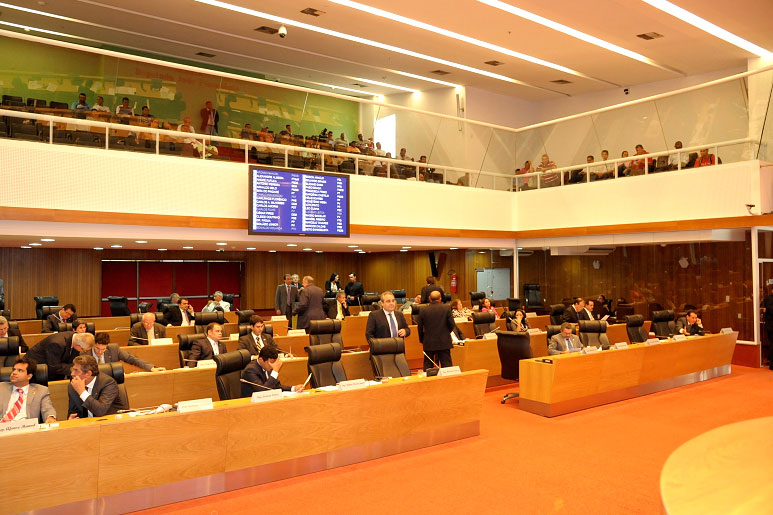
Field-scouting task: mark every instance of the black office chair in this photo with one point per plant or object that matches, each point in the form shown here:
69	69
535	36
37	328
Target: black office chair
119	306
366	301
416	311
68	327
446	298
144	307
512	348
185	343
634	325
533	296
483	323
137	317
161	303
40	302
387	355
115	370
556	312
476	297
623	310
324	364
663	323
229	298
9	350
244	315
204	319
228	373
593	333
325	331
400	296
49	310
513	304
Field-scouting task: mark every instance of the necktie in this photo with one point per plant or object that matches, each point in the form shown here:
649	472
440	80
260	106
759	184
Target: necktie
258	343
289	303
185	318
392	324
16	407
88	391
340	314
568	344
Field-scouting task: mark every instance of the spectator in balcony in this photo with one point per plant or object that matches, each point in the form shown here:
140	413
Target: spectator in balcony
548	180
638	165
674	159
624	168
341	141
80	104
526	183
247	132
607	169
100	106
124	109
187	142
146	118
353	148
288	130
209	119
705	159
378	150
404	155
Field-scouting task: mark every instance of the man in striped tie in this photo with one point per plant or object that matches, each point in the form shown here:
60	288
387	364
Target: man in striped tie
19	399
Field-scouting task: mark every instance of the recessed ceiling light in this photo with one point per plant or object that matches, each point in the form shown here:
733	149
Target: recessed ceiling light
319	251
407	246
292	245
188	248
98	248
250	248
361	252
47	239
481	252
272	251
352	246
403	250
140	241
116	246
162	250
454	248
35	244
308	248
26	247
222	244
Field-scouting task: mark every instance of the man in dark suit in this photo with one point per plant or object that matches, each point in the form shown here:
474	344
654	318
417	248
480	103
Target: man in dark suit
312	303
106	352
59	350
19	399
576	312
256	339
429	288
209	347
6	331
264	372
386	322
90	393
143	332
51	323
435	325
354	290
285	298
564	341
180	314
337	308
690	325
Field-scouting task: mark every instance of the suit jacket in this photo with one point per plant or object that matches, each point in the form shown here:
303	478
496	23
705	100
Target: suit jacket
55	351
104	399
280	298
689	329
254	373
174	316
205	118
202	349
13	331
51	323
429	289
558	345
114	353
311	306
572	316
435	325
139	335
248	342
378	325
331	309
38	402
356	290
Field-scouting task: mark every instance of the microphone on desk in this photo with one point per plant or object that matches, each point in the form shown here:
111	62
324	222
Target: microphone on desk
255	384
433	361
163	408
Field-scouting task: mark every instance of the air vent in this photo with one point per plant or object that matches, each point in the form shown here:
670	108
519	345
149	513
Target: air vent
359	85
649	35
494	63
561	81
267	30
312	12
440	72
204	54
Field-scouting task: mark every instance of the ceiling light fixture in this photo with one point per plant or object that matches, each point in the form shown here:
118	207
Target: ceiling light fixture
188	248
272	251
47	239
403	250
308	248
221	244
377	83
319	251
292	245
251	248
36	244
98	248
116	246
406	247
26	247
706	26
140	241
454	248
162	250
352	246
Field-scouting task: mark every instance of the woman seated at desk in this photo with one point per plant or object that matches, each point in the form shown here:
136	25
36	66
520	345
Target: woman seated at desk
517	321
459	311
486	307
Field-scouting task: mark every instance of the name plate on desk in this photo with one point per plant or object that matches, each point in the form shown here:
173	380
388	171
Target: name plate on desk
278	318
531	314
449	371
652	341
460	320
25	425
206	363
621	345
363	313
352	384
534	330
590	350
726	330
161	341
490	336
679	338
267	395
296	332
194	405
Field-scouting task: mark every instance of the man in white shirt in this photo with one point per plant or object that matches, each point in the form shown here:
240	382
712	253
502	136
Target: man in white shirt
20	400
674	159
90	393
216	302
209	347
100	106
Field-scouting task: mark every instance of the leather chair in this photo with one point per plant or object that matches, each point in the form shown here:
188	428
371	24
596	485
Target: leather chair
634	325
9	350
623	310
366	301
119	306
663	324
447	298
552	330
476	297
161	302
228	373
325	331
324	364
514	304
115	370
49	310
400	296
556	312
533	296
229	298
483	323
416	311
593	333
387	355
204	319
40	377
137	317
40	302
144	307
185	343
68	327
512	348
244	315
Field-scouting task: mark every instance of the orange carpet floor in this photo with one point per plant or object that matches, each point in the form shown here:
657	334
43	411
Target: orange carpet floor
602	460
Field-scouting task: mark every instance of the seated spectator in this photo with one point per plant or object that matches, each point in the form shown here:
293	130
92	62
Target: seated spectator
20	399
360	143
691	160
624	168
486	307
263	374
705	159
100	106
690	325
638	165
604	170
80	104
90	393
459	311
124	109
288	130
51	323
6	331
148	329
579	175
379	152
341	309
216	302
352	148
180	314
106	352
188	143
404	156
341	141
547	180
145	118
674	159
247	132
524	184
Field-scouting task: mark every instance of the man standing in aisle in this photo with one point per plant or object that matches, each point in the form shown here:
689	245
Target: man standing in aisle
435	326
312	303
209	119
354	290
285	297
386	322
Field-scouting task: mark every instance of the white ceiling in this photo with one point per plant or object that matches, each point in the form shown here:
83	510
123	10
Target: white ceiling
182	28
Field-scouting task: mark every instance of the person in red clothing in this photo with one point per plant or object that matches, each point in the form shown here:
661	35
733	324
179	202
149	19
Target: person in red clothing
638	165
209	119
705	159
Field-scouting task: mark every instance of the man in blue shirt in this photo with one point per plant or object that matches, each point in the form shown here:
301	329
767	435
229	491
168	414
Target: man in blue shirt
81	103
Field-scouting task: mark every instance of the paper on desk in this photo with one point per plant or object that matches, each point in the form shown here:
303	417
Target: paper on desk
328	388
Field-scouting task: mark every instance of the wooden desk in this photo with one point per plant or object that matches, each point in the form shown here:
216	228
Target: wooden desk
106	323
319	430
721	470
356	364
353	332
30	327
174	330
539	322
571	382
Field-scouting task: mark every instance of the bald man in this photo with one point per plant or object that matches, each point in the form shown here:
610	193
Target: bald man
148	329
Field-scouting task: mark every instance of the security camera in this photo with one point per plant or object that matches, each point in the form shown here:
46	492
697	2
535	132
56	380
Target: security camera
282	31
749	208
625	91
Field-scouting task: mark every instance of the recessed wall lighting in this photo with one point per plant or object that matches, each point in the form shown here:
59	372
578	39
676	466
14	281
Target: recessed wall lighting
47	239
35	244
308	248
162	250
26	247
116	246
319	251
140	241
407	246
272	251
454	248
98	248
352	246
403	250
222	244
250	248
481	252
292	245
188	248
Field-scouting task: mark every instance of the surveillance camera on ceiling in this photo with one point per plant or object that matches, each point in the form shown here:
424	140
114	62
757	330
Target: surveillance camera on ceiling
282	31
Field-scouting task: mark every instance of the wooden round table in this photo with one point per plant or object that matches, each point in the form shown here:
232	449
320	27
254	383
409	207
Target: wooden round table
726	470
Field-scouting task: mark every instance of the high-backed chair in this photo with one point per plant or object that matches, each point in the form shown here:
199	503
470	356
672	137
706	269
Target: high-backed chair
366	301
416	311
512	348
623	310
229	298
119	306
514	304
228	373
5	313
325	364
40	377
400	296
556	311
144	307
40	302
68	327
531	293
483	323
663	323
325	331
593	333
552	330
634	325
185	343
137	317
161	302
387	355
49	310
9	350
115	370
244	315
204	319
476	297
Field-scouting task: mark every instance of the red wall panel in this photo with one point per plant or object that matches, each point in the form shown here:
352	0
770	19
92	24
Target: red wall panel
226	277
191	280
119	279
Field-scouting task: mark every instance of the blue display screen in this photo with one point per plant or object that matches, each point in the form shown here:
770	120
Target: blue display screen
298	203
